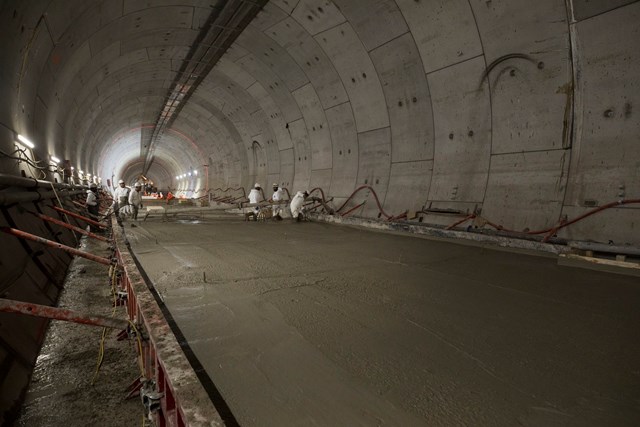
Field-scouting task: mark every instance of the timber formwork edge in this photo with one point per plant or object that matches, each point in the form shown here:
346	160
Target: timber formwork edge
183	399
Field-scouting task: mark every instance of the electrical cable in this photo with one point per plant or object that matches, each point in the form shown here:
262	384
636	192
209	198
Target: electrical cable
113	278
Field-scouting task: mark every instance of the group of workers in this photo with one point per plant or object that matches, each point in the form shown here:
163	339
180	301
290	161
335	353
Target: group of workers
296	205
126	200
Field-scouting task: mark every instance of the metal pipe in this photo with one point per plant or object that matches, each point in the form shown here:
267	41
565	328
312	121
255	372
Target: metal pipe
69	226
7	180
37	310
602	247
51	243
80	217
11	197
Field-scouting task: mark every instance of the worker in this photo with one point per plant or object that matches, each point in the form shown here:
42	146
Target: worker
170	197
254	198
297	205
278	195
93	201
120	198
135	199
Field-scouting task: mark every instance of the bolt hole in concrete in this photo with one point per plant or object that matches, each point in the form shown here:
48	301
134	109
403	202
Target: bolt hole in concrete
316	324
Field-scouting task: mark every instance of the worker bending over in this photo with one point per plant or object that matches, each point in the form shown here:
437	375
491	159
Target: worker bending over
120	198
254	198
92	201
297	205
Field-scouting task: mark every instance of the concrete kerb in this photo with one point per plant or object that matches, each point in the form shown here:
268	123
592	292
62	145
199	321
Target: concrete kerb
462	237
191	399
565	254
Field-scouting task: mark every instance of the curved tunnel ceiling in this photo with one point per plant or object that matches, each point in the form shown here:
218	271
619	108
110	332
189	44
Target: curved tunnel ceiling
521	110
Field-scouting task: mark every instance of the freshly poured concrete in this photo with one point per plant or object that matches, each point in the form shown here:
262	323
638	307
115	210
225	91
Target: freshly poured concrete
313	324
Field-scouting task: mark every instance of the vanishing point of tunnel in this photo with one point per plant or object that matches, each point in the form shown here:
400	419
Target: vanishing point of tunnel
320	212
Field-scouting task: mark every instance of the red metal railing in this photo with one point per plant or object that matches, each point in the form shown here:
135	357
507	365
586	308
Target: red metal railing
177	394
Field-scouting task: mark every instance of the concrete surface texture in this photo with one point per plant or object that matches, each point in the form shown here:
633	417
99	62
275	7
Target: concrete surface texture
525	110
317	324
65	388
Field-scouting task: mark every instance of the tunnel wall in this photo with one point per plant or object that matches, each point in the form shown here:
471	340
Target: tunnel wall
523	111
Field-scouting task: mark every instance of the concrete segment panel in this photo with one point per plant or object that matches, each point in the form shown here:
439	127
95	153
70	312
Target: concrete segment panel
516	26
358	75
136	5
278	124
305	50
374	166
274	56
606	152
531	91
33	64
268	16
320	178
317	15
408	186
287	6
584	9
287	167
619	225
531	106
235	73
273	85
444	30
138	23
273	155
317	127
258	161
179	37
301	154
375	21
235	52
408	100
75	21
462	113
345	149
526	190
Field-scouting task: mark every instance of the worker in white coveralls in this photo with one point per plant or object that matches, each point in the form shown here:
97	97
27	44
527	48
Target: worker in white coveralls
120	198
92	201
135	199
297	208
278	196
254	198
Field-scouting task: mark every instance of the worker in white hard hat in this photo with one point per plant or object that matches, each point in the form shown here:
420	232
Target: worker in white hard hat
297	205
278	196
120	198
135	199
93	201
255	195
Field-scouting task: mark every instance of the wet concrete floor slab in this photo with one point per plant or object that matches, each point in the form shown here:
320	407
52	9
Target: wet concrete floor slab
317	324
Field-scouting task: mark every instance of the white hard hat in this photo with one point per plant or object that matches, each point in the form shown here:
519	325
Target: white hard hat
275	184
138	184
121	181
256	185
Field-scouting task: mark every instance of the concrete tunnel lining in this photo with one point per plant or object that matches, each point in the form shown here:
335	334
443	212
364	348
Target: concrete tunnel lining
410	77
519	113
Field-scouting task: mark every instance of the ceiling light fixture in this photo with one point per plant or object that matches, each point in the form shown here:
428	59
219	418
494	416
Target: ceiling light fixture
25	141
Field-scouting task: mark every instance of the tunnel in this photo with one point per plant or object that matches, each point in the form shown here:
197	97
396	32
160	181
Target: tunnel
454	153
